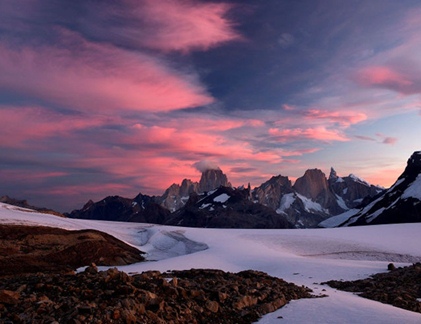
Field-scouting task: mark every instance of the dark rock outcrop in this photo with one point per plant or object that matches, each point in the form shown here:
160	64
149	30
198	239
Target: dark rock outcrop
31	249
191	296
400	287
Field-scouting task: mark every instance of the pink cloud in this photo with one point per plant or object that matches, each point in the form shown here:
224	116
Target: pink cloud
318	133
98	77
383	76
387	139
288	107
386	77
179	25
23	124
30	176
343	118
390	140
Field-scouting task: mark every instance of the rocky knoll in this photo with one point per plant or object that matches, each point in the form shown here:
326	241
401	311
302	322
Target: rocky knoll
400	287
192	296
31	249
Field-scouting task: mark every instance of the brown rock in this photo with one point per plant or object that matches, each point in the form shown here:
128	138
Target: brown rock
9	297
244	301
213	306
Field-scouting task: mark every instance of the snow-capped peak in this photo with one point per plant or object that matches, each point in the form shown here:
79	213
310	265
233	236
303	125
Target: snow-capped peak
358	179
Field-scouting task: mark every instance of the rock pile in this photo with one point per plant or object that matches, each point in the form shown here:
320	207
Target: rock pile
192	296
401	287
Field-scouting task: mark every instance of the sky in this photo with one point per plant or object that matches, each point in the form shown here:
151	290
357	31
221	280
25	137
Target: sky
102	98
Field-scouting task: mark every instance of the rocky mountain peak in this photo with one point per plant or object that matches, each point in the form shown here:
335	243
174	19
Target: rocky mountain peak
271	192
212	179
414	162
312	184
333	175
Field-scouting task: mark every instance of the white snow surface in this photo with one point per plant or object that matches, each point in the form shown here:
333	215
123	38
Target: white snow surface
311	205
338	219
221	198
341	202
286	201
305	257
414	189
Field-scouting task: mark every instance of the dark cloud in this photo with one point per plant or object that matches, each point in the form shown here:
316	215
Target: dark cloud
243	170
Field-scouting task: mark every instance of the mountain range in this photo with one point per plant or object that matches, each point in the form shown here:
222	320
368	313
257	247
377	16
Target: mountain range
277	203
314	200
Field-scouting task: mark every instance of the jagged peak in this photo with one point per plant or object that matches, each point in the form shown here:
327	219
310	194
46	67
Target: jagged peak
212	179
333	175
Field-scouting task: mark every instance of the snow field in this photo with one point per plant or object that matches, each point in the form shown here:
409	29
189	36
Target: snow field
305	257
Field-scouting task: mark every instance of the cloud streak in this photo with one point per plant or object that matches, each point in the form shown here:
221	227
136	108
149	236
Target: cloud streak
90	76
167	25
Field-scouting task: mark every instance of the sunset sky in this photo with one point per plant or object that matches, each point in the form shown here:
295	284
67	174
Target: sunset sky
103	98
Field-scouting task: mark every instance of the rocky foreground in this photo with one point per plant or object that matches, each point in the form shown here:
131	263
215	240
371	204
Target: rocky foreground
400	287
192	296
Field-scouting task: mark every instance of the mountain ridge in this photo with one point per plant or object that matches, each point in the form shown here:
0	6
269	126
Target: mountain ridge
305	204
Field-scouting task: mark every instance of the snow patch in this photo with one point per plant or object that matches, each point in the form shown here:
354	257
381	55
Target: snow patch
311	205
373	216
221	198
397	183
341	202
414	189
205	206
286	202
